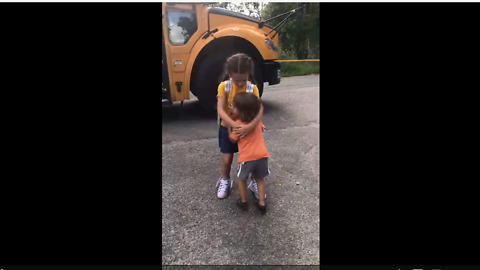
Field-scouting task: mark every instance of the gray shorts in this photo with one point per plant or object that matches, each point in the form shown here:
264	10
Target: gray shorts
258	169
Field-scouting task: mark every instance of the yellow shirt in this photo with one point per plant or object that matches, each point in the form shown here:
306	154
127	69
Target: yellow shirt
233	91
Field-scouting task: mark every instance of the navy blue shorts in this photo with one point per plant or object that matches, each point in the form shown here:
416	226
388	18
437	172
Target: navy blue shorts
226	146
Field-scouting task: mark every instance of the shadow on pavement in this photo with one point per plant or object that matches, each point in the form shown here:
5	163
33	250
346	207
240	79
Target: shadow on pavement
191	110
270	107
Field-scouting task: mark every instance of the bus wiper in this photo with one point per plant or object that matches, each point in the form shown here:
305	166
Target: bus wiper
281	23
208	33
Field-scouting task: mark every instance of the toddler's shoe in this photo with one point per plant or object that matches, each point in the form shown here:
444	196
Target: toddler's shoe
263	209
242	205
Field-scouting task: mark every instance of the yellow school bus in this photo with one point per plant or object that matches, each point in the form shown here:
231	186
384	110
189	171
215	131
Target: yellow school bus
196	41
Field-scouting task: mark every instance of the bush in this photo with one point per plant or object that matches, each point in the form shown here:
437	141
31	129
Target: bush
299	68
286	55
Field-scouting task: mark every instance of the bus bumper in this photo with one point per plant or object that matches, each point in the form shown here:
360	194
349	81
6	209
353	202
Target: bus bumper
272	72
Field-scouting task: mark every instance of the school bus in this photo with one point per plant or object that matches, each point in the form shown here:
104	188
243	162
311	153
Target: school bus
197	40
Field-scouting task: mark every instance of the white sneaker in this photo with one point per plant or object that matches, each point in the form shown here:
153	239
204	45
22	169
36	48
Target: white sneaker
224	186
252	186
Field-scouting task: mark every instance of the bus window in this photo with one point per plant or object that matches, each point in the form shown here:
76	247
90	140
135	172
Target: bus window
181	26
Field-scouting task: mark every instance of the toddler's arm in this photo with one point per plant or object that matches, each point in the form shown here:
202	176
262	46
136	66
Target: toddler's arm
233	137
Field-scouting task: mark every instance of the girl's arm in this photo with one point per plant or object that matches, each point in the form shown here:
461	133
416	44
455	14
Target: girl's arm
243	130
223	115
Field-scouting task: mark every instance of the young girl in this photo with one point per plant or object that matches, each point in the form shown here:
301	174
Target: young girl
253	155
238	77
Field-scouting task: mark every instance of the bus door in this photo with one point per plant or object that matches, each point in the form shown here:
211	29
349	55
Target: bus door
180	26
165	80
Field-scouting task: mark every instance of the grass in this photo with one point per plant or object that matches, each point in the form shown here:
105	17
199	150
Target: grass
299	68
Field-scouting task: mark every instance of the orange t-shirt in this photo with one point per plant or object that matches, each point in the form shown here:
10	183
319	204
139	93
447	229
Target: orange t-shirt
252	146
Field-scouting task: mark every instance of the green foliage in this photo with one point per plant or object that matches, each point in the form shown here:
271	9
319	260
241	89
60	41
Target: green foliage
299	68
299	37
247	8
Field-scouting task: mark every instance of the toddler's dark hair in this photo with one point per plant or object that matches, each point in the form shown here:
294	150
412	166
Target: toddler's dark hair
239	63
248	106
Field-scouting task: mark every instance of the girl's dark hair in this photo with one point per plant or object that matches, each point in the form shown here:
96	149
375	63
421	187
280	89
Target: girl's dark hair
248	106
239	63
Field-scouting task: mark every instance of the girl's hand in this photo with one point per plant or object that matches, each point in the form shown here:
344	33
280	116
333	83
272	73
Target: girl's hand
242	130
263	128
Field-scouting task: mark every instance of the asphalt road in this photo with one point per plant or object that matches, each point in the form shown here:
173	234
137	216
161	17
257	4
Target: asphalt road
200	229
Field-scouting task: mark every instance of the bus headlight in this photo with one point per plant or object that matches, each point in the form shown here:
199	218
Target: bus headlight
271	45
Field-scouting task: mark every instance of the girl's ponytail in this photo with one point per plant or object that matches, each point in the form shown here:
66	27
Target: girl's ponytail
251	78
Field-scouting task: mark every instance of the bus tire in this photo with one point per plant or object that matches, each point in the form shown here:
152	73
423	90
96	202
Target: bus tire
208	78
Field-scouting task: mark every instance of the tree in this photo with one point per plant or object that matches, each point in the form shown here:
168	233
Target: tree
247	8
300	34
